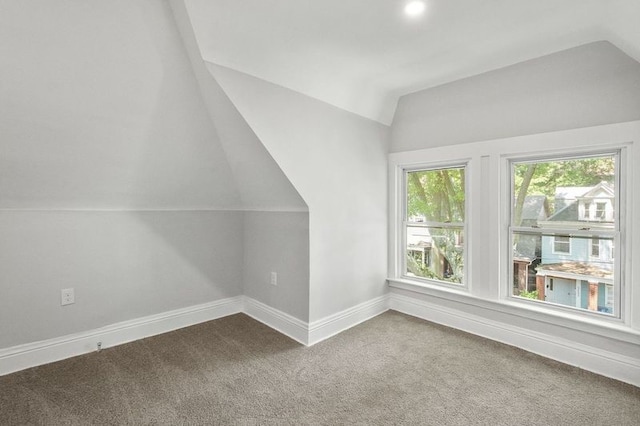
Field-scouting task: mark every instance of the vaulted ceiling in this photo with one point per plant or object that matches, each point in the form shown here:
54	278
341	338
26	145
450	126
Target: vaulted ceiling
362	55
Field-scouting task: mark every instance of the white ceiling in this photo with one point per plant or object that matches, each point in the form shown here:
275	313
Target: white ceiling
362	55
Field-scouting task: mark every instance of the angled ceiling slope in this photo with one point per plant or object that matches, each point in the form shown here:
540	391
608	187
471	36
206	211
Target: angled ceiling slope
361	55
261	183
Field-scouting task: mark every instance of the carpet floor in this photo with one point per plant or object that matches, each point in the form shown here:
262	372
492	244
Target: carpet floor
392	369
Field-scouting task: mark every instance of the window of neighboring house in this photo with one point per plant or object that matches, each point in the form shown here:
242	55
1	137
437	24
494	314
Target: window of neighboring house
586	215
609	299
434	218
562	244
566	250
595	247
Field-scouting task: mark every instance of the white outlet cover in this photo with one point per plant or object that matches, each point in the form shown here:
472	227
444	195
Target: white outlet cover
67	296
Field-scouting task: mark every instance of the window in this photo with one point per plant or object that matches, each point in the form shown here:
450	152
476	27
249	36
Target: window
562	244
612	251
563	247
434	215
586	214
595	247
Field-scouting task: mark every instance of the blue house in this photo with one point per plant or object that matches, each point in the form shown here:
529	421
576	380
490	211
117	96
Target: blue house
527	248
578	271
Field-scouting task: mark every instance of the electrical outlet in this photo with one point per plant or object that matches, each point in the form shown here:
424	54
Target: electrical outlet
274	278
67	296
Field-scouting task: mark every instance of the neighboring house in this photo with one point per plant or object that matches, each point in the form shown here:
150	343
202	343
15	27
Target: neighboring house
419	245
534	210
527	250
578	271
423	253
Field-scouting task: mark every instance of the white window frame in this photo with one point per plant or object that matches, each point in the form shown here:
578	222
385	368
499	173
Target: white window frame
592	244
488	284
586	210
620	184
400	226
553	245
600	214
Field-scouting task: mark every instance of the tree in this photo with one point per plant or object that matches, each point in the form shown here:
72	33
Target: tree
438	196
522	193
543	178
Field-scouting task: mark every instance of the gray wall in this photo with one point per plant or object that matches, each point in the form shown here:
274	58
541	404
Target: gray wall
113	179
122	265
277	242
336	160
585	86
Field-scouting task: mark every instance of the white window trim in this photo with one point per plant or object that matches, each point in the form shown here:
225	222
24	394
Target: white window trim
400	261
487	265
620	150
553	246
590	249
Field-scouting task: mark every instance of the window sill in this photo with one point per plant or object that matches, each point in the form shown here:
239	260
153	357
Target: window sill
605	327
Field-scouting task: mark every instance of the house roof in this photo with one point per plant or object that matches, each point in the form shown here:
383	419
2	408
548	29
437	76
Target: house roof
571	194
535	207
601	189
577	268
567	194
418	237
519	257
566	214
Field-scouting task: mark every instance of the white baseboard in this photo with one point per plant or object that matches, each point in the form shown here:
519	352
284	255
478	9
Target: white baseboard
38	353
600	361
597	360
278	320
330	326
310	334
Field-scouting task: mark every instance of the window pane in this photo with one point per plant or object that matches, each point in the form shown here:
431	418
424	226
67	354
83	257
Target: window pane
561	244
435	195
595	247
435	253
578	192
577	279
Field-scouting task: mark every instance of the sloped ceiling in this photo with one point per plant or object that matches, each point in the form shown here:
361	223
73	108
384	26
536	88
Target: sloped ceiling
102	108
361	55
261	183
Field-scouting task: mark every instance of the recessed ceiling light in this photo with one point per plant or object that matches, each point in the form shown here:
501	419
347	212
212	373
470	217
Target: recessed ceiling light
415	8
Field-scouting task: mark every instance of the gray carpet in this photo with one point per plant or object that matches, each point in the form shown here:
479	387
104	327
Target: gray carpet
393	369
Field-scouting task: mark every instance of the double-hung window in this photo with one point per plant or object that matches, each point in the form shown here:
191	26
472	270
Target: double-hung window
562	244
559	249
433	224
595	247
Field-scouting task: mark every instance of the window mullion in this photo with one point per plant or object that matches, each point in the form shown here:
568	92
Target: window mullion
435	224
571	232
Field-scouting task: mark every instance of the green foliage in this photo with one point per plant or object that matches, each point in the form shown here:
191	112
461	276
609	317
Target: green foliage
420	270
547	176
529	294
424	271
438	195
